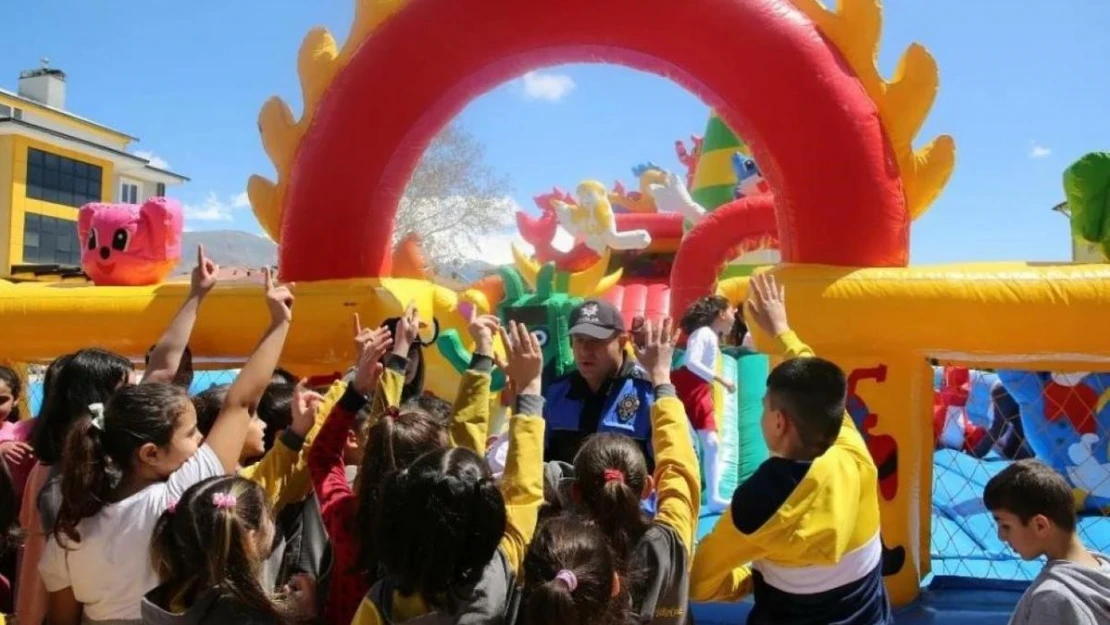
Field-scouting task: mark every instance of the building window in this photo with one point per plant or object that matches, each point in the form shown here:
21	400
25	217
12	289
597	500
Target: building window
61	180
129	192
8	111
17	113
50	241
161	192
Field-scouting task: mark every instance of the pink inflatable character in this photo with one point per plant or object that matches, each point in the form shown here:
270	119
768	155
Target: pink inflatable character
128	244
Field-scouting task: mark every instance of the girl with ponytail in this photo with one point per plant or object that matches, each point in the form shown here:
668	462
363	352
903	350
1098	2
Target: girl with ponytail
208	549
450	540
571	577
395	438
124	464
611	479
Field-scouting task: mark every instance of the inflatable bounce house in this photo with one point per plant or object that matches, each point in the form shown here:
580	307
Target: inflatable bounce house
940	358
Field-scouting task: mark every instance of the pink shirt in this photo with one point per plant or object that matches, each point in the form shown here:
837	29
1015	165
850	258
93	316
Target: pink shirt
19	431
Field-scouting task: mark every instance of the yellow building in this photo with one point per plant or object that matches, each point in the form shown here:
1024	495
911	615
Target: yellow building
51	163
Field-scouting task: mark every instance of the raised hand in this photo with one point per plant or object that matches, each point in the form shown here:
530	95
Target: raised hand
766	304
371	345
279	299
656	353
524	365
482	328
408	331
304	407
204	274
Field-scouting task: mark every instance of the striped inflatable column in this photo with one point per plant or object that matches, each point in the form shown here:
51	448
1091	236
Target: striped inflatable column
714	178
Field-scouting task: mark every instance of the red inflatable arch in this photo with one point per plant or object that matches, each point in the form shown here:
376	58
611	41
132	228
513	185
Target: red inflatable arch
761	63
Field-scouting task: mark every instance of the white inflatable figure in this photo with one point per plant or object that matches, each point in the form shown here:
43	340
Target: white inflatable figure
674	197
1088	474
591	221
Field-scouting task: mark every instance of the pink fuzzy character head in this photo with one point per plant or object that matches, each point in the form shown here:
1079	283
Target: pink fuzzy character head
128	244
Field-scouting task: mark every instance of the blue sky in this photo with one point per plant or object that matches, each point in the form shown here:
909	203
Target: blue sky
1023	91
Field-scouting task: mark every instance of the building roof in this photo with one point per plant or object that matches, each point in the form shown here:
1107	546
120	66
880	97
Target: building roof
65	113
90	144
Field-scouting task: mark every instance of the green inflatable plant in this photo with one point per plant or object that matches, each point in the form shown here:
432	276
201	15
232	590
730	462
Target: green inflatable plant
1087	189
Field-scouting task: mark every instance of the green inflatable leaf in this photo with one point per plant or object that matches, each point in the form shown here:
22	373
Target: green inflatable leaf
1087	189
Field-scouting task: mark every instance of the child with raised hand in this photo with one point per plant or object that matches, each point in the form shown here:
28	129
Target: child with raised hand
611	479
124	467
819	483
281	470
1035	511
208	551
395	438
452	540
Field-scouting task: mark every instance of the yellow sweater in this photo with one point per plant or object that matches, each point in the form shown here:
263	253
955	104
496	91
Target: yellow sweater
806	528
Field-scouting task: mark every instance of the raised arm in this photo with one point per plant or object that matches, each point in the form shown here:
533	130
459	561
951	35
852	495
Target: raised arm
677	472
522	482
766	305
230	429
325	459
165	358
471	415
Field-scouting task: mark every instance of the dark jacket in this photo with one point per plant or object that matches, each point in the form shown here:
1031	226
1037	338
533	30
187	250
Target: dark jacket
621	406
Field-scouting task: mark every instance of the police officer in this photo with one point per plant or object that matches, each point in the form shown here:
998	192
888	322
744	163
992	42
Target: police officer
608	391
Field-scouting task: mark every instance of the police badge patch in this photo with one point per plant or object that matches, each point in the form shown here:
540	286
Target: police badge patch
627	407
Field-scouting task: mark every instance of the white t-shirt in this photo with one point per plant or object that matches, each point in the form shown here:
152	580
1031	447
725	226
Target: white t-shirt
701	353
110	570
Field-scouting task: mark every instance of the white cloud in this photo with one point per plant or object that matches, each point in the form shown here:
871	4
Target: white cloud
214	208
1037	150
156	161
550	86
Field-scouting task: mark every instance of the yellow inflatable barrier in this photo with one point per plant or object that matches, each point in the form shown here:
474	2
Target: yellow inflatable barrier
54	319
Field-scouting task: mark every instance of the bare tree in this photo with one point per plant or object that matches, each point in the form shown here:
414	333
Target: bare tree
453	199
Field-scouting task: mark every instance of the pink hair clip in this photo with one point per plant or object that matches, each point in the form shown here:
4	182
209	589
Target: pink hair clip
224	501
613	475
172	507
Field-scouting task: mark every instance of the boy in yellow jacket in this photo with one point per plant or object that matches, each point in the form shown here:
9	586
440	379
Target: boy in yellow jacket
802	533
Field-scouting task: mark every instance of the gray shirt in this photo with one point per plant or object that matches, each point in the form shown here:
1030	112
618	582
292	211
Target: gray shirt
1066	593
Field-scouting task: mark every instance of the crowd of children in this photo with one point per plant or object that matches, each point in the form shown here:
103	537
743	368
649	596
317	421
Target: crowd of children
263	502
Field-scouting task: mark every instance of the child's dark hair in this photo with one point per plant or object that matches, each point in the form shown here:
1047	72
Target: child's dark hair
811	392
610	472
48	378
738	331
1027	488
439	409
203	544
441	522
702	312
183	377
10	533
393	443
275	408
568	576
98	458
15	384
281	376
208	404
415	388
89	376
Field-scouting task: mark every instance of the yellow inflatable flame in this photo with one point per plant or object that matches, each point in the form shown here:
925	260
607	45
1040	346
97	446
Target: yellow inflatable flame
586	283
903	102
318	62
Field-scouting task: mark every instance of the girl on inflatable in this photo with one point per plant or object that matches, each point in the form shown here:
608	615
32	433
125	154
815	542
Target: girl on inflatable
704	322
